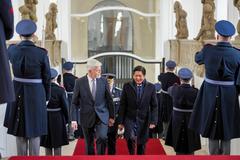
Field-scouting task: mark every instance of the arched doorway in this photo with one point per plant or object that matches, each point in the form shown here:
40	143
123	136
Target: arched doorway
112	31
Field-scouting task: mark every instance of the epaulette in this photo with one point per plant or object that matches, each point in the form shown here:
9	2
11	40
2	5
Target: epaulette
12	45
208	45
42	49
236	48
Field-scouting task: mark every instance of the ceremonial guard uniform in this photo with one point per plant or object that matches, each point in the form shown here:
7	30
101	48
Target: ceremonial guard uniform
6	33
57	114
216	113
183	140
167	80
116	95
68	83
26	118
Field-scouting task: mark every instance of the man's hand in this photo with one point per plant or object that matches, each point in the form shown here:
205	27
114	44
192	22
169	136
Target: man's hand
111	122
47	102
151	126
120	127
74	125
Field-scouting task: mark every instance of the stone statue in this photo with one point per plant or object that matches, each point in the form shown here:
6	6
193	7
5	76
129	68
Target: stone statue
207	30
28	10
181	22
51	22
237	5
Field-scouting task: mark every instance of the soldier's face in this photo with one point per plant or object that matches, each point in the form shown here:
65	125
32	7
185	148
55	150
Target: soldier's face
138	77
110	81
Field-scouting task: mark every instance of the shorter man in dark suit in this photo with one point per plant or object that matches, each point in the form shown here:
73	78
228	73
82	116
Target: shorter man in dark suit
91	94
138	110
116	95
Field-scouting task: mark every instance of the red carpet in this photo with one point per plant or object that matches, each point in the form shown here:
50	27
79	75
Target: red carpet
121	157
153	147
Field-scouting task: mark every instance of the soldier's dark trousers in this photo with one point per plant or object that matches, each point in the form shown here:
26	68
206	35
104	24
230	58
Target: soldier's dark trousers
53	151
28	144
131	143
219	147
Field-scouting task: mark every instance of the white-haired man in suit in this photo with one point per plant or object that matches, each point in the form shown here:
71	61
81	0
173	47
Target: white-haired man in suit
92	95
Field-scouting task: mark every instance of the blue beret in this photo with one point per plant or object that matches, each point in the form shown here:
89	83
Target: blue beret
185	73
54	73
26	27
171	64
225	28
68	66
109	75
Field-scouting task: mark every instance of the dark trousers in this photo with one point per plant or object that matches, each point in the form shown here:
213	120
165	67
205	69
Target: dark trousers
101	138
219	147
53	151
112	138
131	143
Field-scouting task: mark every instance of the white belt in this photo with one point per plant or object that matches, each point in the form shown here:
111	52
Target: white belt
69	92
165	92
53	109
182	110
116	99
24	80
224	83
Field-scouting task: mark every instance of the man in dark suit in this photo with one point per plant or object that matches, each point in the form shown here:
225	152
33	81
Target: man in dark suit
138	110
6	33
91	94
26	118
216	113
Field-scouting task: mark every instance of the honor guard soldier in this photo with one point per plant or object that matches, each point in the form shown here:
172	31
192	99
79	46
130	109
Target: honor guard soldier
216	113
116	95
57	114
26	118
183	140
6	33
167	80
68	83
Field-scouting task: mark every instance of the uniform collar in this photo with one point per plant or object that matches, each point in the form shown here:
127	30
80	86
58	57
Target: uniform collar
27	42
226	44
186	85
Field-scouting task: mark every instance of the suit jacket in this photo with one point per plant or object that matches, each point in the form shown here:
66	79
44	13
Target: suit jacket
6	33
146	109
102	106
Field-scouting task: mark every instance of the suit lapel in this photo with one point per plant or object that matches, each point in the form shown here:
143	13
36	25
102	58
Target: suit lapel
134	88
98	81
88	87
